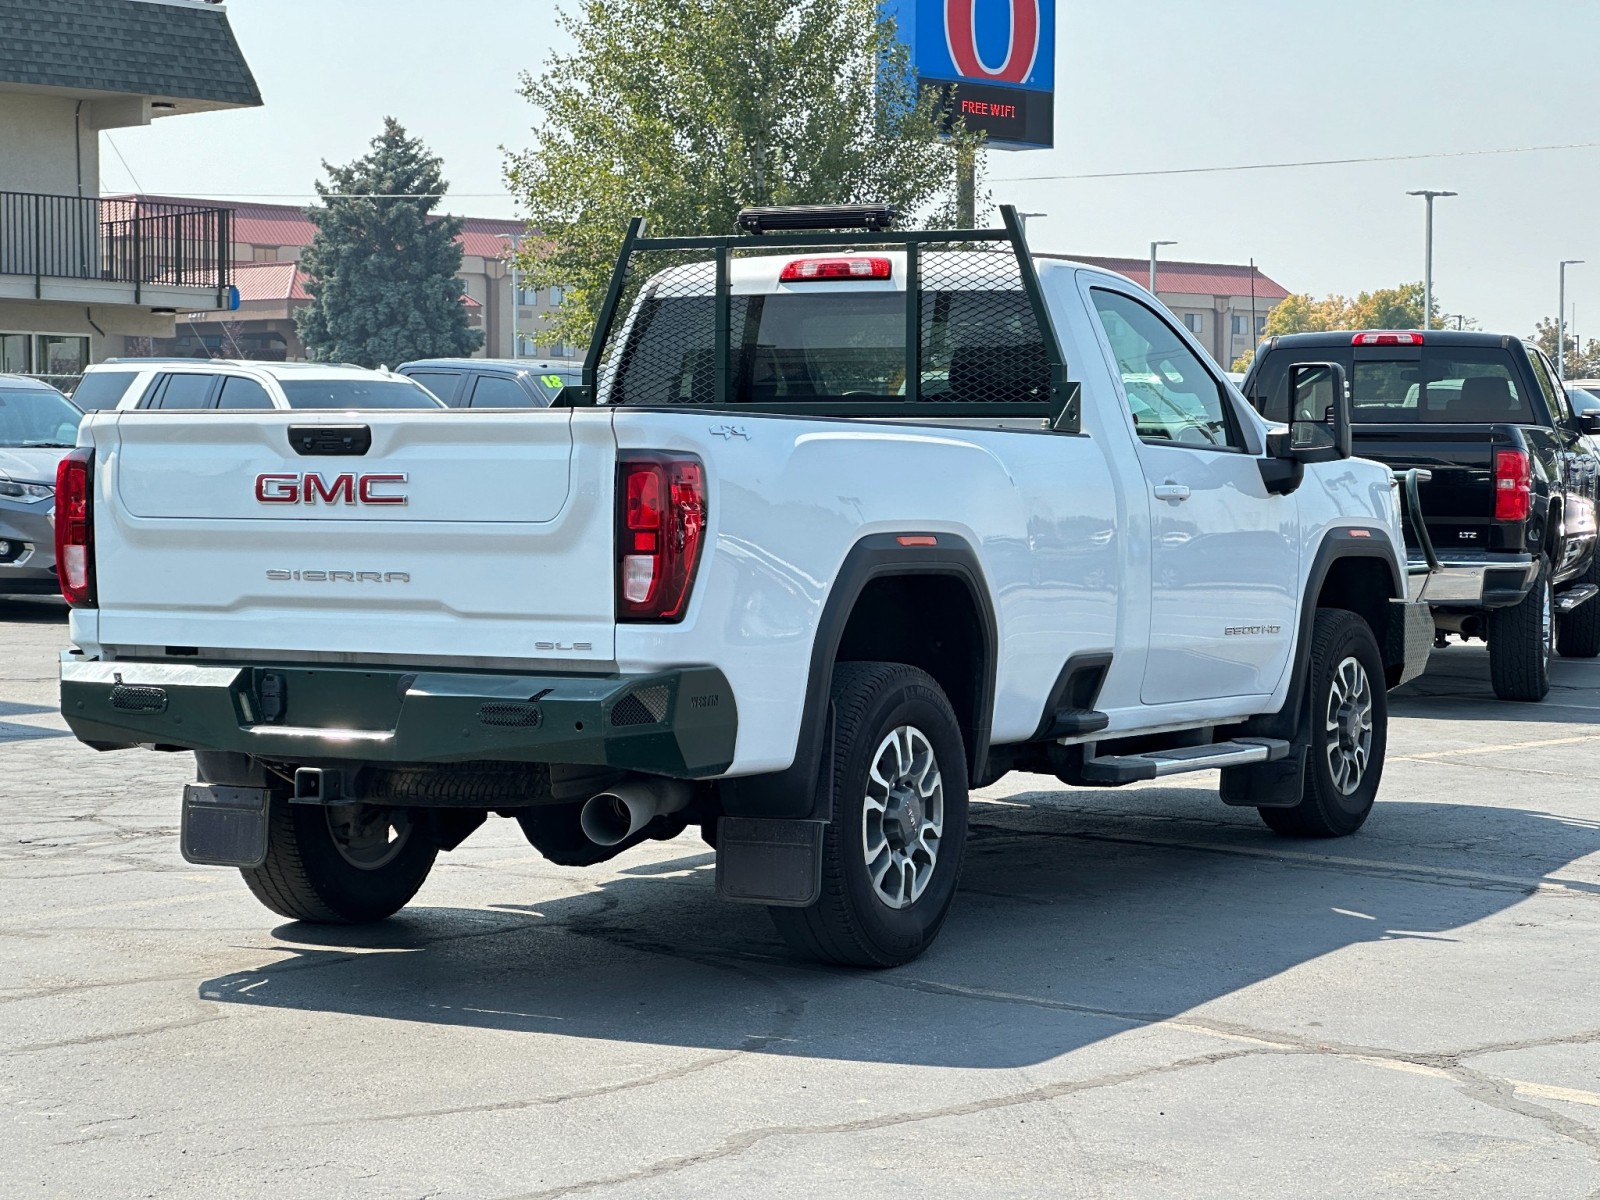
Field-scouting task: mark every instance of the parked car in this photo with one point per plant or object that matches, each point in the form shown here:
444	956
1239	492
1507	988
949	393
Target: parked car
230	384
770	584
494	382
1585	395
1511	502
38	425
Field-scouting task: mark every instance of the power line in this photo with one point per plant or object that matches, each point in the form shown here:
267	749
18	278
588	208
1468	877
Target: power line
1315	162
124	163
1220	170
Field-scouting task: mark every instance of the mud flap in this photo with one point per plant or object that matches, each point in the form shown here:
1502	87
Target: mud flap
1278	784
224	826
766	861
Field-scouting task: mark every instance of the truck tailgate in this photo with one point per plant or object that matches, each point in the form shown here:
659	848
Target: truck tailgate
1458	502
456	535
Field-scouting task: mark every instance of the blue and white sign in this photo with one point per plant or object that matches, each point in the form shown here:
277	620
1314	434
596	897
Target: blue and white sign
998	56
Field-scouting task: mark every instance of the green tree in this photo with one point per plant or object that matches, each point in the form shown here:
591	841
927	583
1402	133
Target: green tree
1387	308
1583	362
684	111
382	269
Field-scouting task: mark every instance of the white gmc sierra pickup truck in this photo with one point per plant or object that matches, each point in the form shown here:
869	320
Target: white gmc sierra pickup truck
843	522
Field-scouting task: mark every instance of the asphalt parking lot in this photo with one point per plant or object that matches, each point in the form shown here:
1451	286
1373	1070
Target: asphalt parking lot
1140	993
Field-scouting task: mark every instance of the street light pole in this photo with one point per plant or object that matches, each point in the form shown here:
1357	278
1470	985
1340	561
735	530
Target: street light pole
1154	249
1427	278
1023	217
516	292
1561	321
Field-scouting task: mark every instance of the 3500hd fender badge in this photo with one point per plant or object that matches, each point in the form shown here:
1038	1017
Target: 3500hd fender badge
311	488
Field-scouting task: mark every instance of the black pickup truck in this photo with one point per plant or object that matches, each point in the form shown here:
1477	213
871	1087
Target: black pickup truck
1510	502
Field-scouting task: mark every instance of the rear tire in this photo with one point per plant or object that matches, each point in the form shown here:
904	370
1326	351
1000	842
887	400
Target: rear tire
1578	633
1521	641
1345	729
340	864
892	852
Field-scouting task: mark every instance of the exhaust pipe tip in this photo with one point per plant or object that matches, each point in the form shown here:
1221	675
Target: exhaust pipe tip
615	816
607	819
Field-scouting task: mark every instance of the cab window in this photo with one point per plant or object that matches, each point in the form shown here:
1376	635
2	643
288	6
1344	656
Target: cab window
499	391
241	393
1171	395
182	391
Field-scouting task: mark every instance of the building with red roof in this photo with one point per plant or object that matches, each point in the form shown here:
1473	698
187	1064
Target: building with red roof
267	241
1224	305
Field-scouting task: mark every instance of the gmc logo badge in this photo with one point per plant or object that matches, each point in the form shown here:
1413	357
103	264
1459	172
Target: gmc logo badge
341	489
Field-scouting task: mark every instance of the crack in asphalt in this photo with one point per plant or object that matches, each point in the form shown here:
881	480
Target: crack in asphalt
991	836
740	1142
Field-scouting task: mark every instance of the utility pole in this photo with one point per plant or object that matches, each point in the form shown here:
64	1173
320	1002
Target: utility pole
1427	277
1561	321
1155	248
516	292
966	187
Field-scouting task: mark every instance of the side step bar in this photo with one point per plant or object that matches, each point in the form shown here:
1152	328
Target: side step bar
1157	764
1576	597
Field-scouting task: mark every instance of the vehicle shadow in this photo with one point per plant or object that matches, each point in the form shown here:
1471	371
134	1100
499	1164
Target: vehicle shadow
1457	684
33	610
1080	922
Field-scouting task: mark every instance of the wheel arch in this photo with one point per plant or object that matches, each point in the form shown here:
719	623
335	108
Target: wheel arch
950	632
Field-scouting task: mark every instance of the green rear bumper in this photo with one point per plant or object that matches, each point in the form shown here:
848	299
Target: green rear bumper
679	723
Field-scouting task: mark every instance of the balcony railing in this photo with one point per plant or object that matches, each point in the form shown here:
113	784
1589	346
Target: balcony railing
115	241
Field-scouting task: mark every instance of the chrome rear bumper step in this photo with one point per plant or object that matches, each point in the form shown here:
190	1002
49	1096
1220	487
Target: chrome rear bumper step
1157	764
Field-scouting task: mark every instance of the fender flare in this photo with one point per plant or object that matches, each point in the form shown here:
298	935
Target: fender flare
1337	546
794	791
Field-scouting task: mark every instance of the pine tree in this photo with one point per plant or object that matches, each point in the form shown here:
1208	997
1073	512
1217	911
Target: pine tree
382	268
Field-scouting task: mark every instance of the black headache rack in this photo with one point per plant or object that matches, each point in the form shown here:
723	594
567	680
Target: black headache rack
969	336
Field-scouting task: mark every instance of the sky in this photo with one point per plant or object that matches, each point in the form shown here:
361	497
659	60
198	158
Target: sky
1142	85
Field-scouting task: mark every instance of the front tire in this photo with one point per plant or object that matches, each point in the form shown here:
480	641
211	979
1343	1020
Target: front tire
346	864
892	852
1521	641
1346	730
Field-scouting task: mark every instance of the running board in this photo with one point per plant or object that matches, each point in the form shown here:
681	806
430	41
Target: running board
1157	764
1575	597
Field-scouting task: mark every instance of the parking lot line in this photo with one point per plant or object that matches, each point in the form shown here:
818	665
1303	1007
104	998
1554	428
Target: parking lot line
1566	741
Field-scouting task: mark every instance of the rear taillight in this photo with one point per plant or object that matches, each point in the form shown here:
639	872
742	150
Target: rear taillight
75	527
1513	485
816	270
661	518
1388	339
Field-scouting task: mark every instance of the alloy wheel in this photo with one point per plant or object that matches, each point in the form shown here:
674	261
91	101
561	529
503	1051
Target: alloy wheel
902	819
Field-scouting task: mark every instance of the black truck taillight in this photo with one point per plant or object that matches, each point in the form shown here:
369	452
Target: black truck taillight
75	527
1513	485
661	520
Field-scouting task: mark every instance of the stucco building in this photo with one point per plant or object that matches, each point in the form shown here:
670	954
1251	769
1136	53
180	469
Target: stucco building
80	274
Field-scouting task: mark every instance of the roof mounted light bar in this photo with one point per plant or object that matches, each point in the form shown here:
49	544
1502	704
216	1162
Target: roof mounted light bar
785	218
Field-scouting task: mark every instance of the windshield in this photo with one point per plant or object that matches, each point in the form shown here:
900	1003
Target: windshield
828	345
357	393
37	418
1448	385
102	389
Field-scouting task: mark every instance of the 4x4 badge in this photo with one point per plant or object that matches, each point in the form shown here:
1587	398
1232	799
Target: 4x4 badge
728	432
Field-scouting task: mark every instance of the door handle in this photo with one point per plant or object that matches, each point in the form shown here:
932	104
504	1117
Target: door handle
1172	491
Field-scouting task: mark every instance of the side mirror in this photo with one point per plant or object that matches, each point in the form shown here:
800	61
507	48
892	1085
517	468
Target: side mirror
1589	422
1319	415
